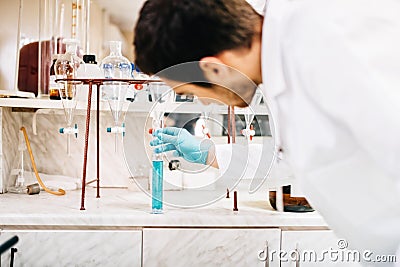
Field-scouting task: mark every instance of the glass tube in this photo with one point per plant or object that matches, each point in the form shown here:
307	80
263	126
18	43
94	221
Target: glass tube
157	184
157	172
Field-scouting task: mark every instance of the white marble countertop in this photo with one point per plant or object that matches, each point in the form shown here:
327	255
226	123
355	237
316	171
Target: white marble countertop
121	208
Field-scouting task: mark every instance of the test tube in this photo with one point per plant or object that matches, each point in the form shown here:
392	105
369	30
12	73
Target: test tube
157	172
157	184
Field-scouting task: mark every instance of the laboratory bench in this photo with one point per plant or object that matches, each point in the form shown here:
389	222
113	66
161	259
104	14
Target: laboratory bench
122	208
118	228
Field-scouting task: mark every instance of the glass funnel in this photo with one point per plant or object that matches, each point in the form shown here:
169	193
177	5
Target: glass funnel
160	95
249	114
116	93
116	66
66	67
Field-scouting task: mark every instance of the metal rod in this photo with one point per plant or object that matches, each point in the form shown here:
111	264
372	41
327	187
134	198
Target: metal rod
233	121
92	181
39	71
18	45
86	146
235	207
101	81
98	139
87	30
229	124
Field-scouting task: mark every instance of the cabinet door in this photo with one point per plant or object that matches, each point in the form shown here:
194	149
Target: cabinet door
74	248
315	248
208	247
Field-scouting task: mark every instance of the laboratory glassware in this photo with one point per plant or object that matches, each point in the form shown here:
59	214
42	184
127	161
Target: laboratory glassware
249	114
160	94
21	172
116	66
116	97
65	69
53	86
206	117
157	177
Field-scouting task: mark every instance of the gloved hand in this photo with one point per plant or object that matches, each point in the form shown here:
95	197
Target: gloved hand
182	143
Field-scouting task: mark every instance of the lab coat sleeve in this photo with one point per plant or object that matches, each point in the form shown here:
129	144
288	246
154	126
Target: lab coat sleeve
349	65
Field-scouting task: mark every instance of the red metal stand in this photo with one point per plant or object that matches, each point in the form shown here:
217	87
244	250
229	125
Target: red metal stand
98	83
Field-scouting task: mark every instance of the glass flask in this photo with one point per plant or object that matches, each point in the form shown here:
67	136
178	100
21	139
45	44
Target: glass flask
115	65
67	64
21	173
66	67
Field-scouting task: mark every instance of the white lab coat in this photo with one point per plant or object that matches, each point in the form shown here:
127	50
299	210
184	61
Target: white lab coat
331	73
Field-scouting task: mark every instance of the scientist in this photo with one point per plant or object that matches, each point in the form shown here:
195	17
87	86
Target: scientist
331	74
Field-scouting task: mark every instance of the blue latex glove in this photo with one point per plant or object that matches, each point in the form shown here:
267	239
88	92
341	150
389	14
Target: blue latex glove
182	143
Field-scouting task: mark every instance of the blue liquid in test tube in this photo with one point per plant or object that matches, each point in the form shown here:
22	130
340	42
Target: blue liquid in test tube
157	187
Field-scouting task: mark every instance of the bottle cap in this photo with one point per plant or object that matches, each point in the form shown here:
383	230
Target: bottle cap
90	59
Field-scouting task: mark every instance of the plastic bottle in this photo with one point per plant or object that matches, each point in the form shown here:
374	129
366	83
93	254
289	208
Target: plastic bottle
89	70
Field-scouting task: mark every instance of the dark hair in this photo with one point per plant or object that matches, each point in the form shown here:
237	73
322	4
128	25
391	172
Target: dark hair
171	32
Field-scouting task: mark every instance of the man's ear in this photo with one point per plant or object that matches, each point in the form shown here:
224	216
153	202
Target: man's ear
214	69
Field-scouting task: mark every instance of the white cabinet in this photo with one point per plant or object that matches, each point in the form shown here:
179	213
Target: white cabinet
208	247
74	248
315	248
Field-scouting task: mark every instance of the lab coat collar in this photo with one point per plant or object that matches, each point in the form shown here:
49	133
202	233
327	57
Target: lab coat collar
258	5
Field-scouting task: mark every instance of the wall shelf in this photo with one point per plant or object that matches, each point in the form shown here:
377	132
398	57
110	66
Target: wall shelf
140	107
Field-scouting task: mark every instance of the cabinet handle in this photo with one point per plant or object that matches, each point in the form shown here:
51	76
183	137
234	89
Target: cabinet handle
13	251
